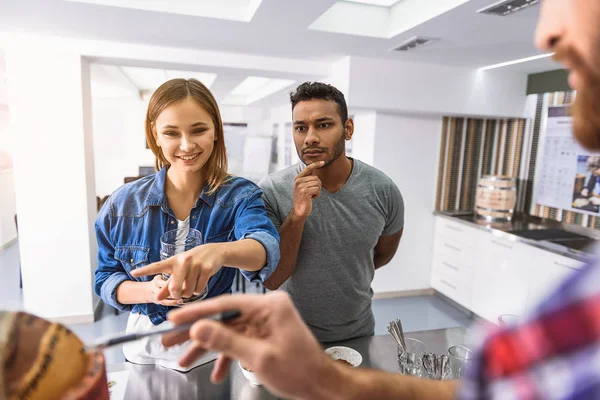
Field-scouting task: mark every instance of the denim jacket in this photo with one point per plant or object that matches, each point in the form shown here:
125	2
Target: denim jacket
131	222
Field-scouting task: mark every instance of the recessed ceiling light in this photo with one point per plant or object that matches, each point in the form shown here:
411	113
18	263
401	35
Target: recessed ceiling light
249	85
273	86
380	3
513	62
254	88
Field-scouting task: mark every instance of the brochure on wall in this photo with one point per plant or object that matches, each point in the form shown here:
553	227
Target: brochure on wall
569	175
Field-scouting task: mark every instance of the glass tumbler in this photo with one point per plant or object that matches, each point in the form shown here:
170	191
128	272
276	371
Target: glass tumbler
177	241
410	359
459	357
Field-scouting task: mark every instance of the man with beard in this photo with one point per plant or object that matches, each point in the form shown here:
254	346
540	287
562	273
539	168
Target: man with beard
553	354
339	219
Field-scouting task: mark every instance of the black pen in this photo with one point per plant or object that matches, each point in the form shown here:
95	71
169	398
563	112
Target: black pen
105	342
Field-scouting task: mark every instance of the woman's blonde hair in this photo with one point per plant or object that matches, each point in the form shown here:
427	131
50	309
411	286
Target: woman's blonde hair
177	90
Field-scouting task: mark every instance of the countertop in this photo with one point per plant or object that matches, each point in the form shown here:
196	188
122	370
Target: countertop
580	250
150	382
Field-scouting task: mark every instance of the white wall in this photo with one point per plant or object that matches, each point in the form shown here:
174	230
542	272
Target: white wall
90	174
426	88
119	141
530	107
252	116
340	76
8	208
363	140
3	88
407	149
281	116
53	169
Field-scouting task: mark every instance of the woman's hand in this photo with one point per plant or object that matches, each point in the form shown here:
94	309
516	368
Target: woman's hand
190	271
154	288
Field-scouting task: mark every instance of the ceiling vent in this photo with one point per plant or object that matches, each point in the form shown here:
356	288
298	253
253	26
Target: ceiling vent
507	7
413	43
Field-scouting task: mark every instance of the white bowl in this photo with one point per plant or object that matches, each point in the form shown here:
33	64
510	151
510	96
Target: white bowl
345	353
251	376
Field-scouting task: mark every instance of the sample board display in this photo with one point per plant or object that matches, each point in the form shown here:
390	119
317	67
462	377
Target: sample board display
568	176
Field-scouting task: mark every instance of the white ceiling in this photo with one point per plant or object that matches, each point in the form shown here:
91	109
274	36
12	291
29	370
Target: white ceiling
382	3
280	28
234	10
381	21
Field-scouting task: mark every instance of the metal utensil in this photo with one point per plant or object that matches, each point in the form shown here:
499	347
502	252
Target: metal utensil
428	363
436	366
396	331
444	368
401	331
121	338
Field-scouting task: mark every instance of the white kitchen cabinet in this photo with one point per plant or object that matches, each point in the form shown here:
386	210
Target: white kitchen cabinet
490	274
453	255
547	271
501	278
455	290
456	231
452	279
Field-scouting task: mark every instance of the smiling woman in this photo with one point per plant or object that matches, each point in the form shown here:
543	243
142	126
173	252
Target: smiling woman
192	191
198	114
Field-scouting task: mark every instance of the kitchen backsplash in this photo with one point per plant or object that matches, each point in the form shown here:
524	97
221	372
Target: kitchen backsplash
471	147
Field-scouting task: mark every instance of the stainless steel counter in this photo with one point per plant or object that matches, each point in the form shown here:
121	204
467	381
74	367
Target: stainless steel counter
150	382
523	223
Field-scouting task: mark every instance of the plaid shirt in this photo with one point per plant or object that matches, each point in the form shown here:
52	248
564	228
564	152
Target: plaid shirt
553	354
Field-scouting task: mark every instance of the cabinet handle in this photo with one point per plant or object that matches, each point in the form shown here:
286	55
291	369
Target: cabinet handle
450	266
454	228
564	265
451	247
447	284
506	246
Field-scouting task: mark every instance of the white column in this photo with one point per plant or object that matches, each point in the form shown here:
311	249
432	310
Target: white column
50	106
408	150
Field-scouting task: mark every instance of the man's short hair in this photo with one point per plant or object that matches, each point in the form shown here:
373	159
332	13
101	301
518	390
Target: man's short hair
318	90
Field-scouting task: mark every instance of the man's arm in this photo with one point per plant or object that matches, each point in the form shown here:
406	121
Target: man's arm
386	248
307	187
362	383
290	236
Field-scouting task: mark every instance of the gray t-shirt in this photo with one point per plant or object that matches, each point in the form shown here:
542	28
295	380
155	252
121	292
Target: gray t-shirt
331	285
